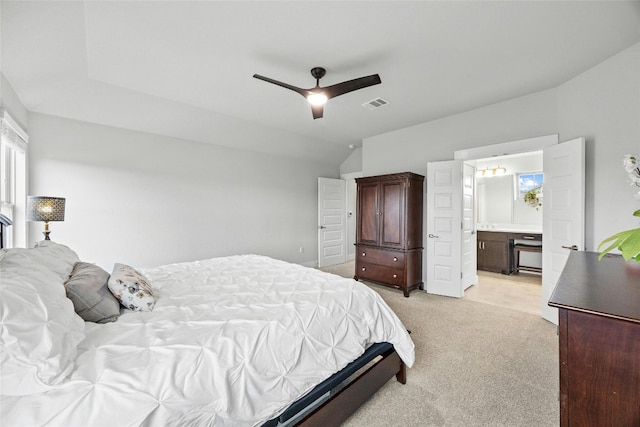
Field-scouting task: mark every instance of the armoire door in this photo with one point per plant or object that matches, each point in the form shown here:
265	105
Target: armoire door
368	214
392	208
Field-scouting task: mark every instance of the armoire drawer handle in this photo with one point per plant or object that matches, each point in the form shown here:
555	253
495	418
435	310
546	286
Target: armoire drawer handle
364	269
395	276
364	254
395	259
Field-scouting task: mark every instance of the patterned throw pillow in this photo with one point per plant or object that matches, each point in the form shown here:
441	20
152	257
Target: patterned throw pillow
131	288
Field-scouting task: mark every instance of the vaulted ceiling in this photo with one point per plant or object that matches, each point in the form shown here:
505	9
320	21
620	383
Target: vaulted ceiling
184	68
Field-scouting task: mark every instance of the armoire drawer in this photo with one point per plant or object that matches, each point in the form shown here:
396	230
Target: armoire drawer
380	273
383	257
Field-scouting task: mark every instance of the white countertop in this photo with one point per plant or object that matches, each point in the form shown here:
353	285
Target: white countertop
515	228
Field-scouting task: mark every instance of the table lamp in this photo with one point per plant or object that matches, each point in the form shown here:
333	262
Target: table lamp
45	208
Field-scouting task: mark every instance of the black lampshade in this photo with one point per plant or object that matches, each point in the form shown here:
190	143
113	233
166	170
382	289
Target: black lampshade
44	208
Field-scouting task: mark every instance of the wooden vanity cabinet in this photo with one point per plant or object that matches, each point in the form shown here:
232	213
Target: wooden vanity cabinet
493	251
599	335
389	230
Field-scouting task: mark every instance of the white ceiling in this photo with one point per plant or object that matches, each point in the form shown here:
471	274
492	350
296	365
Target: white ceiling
184	68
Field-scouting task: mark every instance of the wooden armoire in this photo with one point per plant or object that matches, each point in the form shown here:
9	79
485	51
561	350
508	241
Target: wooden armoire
389	230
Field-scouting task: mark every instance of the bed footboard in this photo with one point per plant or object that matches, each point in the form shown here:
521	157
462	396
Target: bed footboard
344	403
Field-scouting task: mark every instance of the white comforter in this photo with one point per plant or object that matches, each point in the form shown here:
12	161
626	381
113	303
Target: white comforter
231	342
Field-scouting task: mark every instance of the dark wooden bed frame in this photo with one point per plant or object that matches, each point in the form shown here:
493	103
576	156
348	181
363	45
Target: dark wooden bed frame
341	405
4	222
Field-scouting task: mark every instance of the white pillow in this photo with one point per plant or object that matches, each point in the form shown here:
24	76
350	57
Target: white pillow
131	288
40	329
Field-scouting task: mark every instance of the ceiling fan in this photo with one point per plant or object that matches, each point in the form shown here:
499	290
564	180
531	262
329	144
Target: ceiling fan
318	96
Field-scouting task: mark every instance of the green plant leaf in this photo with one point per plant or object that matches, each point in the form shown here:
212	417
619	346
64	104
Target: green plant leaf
618	236
637	213
630	247
607	250
627	242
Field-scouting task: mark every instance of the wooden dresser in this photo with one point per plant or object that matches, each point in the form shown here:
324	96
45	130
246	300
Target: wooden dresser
389	230
599	329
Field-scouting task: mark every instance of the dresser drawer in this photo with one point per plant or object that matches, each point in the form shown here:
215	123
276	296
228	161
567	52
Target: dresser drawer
382	257
380	273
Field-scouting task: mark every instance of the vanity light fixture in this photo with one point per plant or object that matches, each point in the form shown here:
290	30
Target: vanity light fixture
491	172
499	171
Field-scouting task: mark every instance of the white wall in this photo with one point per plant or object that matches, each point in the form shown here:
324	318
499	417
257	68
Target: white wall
351	204
602	104
409	149
353	163
10	102
147	200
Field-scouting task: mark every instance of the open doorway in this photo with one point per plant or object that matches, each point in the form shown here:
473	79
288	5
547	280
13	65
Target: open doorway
563	216
494	216
509	210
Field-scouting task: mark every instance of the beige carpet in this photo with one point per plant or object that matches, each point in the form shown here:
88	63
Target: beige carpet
477	364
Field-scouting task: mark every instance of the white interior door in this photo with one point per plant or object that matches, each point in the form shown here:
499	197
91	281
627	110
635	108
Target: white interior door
444	225
563	215
332	194
469	237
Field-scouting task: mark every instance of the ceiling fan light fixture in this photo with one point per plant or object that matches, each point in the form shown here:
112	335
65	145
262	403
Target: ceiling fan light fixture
317	98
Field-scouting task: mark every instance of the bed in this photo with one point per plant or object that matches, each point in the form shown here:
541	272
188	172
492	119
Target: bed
243	340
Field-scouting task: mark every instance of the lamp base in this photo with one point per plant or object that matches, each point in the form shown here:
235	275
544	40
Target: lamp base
46	230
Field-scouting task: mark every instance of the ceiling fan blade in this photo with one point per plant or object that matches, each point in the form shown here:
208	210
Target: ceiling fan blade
317	111
303	92
351	85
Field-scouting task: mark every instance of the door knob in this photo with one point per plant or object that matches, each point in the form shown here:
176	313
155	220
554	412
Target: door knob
322	227
572	247
433	236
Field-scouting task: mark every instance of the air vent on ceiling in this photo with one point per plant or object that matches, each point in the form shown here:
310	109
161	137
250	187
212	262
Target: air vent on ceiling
375	103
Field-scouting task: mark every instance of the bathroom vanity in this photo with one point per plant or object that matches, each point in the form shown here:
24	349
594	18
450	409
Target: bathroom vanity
497	249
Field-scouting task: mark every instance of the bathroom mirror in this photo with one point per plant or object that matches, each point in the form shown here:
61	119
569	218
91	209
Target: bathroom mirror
495	199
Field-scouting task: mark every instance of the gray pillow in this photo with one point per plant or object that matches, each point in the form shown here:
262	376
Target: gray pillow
87	289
